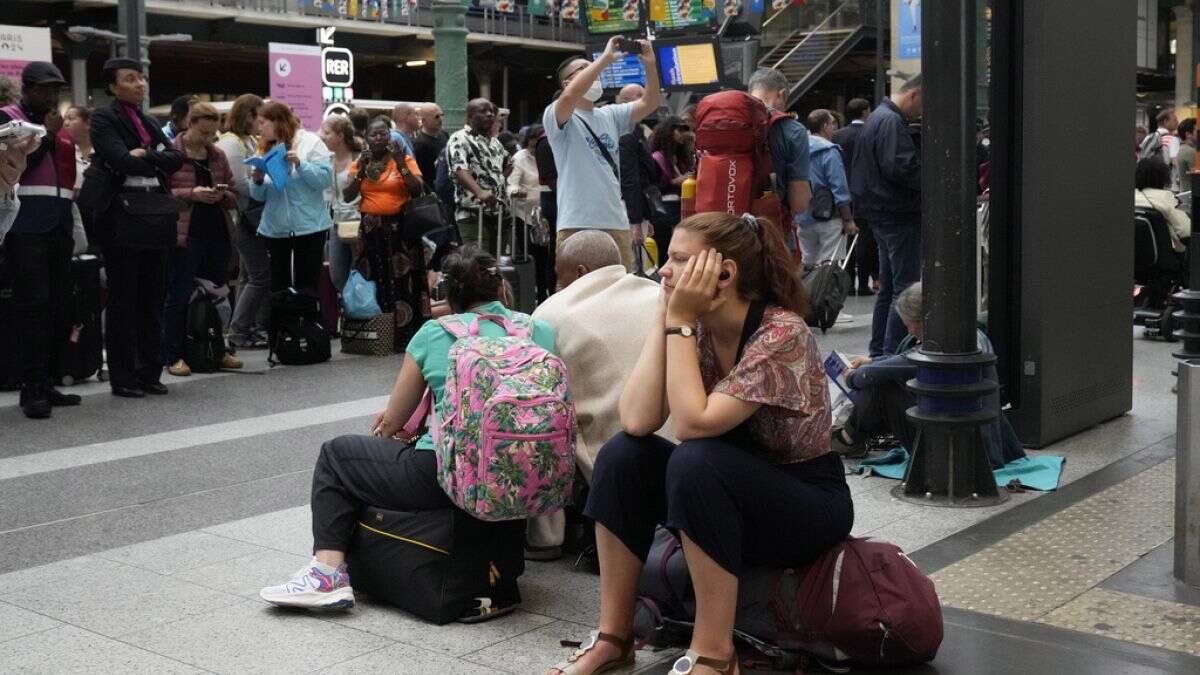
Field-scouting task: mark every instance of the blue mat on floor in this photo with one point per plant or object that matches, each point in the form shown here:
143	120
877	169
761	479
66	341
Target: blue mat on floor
1035	473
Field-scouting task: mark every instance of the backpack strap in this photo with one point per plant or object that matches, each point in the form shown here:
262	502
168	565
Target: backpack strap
455	326
513	327
417	420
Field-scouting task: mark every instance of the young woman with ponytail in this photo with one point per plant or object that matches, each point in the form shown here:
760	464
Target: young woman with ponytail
753	482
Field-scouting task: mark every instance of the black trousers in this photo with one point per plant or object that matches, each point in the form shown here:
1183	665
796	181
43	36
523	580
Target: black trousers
41	269
864	264
740	510
353	472
882	409
134	323
296	261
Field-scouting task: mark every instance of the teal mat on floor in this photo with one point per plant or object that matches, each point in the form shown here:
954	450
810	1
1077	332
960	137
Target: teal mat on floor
1036	473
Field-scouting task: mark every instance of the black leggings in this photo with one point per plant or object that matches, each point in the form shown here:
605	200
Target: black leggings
353	472
740	510
296	261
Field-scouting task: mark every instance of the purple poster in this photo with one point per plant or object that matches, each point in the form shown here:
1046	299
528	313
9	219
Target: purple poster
296	80
19	45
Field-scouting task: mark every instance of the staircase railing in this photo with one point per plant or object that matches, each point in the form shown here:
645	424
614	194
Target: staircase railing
847	14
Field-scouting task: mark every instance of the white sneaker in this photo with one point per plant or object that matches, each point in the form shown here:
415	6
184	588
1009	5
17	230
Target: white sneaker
311	588
845	318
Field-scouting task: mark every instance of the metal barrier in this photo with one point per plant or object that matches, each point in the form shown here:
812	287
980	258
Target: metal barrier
1187	474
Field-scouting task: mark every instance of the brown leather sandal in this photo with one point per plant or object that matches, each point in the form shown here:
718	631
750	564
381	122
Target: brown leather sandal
625	659
688	662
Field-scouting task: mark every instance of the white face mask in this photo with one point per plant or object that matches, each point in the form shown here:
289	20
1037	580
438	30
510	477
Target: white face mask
594	92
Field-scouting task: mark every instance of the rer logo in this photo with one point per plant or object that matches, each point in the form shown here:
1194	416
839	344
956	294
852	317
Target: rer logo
337	67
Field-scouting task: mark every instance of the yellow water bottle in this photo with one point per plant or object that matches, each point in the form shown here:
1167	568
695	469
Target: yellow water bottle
687	196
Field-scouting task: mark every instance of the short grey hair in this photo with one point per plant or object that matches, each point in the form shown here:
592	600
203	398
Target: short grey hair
909	304
915	82
592	249
767	79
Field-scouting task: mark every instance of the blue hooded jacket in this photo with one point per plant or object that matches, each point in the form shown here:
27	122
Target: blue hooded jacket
826	171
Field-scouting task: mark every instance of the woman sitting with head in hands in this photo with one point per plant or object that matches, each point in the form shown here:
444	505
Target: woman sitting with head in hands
753	482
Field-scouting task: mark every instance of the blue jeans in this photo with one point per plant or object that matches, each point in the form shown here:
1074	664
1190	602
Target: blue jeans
899	267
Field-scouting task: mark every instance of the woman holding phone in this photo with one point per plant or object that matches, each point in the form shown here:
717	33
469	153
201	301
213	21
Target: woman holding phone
203	237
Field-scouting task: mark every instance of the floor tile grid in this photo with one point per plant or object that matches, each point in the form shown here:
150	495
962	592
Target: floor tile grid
1132	618
1047	565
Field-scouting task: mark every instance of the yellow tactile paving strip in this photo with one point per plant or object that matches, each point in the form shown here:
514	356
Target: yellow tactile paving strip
1132	618
1048	571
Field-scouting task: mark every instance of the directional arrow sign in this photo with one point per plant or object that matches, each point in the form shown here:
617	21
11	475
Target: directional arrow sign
325	35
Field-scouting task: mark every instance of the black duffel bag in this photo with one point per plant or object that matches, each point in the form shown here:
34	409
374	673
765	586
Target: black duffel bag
145	219
439	564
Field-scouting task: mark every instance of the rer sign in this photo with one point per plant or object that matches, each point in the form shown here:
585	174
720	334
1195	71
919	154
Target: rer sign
337	67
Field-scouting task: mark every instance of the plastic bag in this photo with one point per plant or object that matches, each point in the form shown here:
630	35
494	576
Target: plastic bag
358	297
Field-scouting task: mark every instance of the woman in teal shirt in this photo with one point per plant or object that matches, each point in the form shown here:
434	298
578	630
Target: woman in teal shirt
384	469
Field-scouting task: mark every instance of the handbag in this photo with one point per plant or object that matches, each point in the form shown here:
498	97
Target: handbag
421	216
821	207
146	219
654	201
99	185
347	231
358	297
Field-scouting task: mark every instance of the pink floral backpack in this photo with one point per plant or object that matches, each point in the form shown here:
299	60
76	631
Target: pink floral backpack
504	428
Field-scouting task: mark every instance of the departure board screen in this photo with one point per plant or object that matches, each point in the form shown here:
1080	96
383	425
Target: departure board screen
689	64
626	70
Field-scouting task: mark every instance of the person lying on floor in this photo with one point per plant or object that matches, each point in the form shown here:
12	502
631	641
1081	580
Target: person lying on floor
601	317
753	482
884	398
382	469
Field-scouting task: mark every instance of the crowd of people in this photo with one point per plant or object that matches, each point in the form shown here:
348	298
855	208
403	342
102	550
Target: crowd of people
1165	161
692	392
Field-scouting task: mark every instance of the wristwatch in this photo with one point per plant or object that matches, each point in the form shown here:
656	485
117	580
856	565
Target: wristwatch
685	331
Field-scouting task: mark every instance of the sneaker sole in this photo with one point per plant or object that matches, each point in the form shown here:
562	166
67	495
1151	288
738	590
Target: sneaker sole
342	598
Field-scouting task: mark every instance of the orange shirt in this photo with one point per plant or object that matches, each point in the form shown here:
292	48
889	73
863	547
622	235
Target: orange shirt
386	196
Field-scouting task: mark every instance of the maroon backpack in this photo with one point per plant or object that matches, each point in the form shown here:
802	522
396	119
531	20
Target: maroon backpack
862	603
869	602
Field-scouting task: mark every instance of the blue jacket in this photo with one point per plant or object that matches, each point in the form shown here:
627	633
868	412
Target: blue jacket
887	168
301	208
826	171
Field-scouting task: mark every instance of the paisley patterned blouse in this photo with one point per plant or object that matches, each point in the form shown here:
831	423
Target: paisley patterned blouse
781	369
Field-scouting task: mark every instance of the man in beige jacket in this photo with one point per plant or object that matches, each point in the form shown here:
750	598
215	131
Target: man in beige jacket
600	315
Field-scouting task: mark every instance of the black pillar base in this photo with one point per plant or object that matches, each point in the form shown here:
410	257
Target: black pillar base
1188	320
950	465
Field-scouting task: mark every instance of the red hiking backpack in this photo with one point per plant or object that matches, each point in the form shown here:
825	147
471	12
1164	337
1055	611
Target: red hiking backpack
734	167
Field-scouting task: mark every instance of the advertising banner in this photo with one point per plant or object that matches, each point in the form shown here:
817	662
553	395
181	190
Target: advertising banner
296	80
910	29
19	45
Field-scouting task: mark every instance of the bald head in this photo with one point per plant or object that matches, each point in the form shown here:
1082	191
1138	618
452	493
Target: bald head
431	118
630	93
406	117
584	252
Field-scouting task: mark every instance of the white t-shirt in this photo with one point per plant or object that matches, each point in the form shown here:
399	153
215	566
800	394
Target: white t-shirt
589	192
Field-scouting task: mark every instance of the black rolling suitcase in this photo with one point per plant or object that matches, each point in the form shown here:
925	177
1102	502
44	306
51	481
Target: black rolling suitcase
82	352
441	564
517	267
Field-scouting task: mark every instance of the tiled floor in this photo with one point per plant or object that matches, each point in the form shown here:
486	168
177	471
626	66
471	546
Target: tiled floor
149	558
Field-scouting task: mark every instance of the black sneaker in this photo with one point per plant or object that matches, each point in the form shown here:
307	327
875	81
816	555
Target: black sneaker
35	402
848	450
61	400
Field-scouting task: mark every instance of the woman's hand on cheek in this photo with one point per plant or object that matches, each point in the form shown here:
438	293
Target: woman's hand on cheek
696	289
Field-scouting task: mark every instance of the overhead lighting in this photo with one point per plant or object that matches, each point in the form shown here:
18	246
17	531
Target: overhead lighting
416	64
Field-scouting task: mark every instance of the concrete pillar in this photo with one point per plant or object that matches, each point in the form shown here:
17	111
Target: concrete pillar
450	64
78	51
1185	87
485	74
